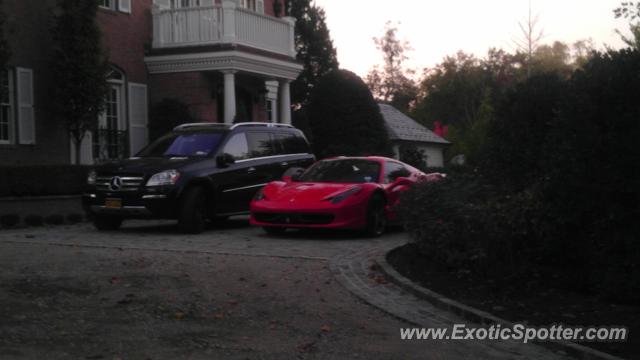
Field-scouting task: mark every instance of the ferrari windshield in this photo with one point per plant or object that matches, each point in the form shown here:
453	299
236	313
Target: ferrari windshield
183	145
343	171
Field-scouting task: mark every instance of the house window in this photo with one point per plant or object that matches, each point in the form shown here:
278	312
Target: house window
248	4
119	5
6	107
108	4
110	139
184	3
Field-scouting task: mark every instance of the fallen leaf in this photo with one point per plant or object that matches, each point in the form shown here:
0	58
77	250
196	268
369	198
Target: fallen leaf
180	315
325	328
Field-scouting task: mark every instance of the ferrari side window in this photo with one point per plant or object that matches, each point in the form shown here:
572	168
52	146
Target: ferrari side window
394	170
237	147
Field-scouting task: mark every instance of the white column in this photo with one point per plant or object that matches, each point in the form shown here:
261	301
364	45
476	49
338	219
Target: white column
272	98
229	96
229	21
285	102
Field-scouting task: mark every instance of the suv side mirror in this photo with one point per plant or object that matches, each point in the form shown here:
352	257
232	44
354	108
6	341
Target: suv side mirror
292	174
223	160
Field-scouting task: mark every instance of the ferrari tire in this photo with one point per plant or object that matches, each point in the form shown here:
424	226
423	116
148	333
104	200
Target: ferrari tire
192	212
376	219
274	230
107	222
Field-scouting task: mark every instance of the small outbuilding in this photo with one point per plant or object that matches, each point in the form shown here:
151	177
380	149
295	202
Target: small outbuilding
406	132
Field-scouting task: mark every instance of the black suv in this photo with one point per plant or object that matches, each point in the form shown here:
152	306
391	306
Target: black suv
196	172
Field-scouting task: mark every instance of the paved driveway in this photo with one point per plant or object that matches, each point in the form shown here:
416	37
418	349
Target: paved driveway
150	292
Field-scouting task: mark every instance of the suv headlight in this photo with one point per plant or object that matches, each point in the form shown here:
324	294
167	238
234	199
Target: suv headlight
91	177
169	177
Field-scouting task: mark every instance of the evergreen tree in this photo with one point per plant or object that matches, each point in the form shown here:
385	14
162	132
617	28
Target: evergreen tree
345	119
79	69
5	51
314	47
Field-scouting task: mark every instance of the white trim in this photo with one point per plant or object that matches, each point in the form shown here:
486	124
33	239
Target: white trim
224	60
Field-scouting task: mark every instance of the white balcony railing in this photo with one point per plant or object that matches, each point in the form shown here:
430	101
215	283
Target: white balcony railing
222	24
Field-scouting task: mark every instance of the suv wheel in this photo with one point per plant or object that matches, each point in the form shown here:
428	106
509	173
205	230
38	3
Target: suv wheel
192	214
107	222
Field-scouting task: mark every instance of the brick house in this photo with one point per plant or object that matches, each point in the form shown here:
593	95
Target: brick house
228	60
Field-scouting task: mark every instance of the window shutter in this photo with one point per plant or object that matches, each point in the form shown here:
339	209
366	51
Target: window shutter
138	130
124	6
26	116
260	6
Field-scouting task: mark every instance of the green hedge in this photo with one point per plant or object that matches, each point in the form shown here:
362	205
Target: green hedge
556	197
42	180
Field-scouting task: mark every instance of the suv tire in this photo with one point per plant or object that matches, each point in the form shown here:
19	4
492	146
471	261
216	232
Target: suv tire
107	222
193	207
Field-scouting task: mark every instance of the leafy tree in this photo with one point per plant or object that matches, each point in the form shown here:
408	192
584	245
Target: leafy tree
5	51
314	48
79	69
530	38
630	10
345	119
555	58
393	84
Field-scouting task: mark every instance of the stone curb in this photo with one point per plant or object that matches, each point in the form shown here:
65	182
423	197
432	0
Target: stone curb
479	316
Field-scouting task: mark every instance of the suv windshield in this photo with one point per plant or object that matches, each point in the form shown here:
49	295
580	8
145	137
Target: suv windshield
343	171
183	145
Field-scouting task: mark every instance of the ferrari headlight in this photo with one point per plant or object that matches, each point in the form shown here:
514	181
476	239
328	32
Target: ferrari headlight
91	177
169	177
343	195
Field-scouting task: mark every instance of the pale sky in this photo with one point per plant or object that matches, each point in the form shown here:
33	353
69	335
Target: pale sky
437	28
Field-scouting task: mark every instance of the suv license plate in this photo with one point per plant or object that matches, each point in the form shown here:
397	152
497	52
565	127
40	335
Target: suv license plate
113	203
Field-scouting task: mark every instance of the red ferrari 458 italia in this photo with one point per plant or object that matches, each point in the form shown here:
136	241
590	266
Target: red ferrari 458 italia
343	192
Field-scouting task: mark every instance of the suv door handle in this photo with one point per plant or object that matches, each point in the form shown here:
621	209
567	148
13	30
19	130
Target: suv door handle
284	164
251	170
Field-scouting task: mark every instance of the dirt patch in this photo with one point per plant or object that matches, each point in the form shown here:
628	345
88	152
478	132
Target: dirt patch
536	304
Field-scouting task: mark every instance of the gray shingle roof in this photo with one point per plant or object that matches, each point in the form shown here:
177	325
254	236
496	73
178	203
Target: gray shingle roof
402	127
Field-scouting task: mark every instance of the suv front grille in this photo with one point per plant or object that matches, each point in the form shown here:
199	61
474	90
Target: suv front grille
122	183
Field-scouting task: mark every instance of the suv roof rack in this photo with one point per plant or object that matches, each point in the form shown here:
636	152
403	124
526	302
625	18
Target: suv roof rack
200	124
260	124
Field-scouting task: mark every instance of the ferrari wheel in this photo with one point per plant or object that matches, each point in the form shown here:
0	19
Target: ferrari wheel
274	230
376	217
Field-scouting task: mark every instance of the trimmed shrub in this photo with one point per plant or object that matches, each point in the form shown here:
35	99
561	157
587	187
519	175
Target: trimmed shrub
43	180
345	119
54	219
9	220
34	220
75	218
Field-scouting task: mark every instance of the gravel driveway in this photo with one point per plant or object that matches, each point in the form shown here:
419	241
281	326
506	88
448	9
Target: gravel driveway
150	292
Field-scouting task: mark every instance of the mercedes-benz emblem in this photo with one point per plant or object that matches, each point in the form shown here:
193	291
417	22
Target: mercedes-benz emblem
115	184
